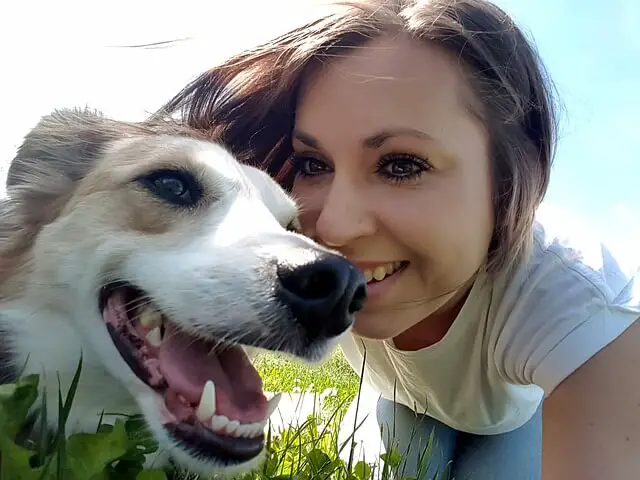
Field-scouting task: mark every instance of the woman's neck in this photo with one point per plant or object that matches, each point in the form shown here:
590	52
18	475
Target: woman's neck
433	328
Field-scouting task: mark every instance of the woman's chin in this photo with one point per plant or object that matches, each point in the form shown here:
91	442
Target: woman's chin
374	327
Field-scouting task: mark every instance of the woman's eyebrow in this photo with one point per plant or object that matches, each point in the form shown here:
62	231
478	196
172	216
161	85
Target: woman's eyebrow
377	140
373	141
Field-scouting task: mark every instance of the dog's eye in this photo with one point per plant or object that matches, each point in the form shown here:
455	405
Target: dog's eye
173	186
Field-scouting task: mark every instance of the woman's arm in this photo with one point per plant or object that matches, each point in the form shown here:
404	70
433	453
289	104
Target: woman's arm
591	421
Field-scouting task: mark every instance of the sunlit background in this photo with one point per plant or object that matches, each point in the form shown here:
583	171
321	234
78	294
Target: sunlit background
66	53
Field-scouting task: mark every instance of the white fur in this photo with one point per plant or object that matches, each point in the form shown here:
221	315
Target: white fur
206	276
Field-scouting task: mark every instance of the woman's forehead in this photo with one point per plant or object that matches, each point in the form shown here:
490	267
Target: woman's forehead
395	71
391	82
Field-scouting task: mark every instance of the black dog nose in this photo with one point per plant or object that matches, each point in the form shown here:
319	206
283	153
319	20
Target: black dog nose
323	294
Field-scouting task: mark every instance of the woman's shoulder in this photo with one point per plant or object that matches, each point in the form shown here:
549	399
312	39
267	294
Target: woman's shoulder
566	301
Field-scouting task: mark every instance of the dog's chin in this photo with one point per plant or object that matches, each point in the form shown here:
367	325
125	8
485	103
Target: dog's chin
201	397
184	455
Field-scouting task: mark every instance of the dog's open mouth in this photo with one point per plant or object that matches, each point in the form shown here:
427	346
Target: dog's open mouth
213	398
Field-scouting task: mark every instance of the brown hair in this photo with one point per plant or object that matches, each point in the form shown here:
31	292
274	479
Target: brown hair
249	101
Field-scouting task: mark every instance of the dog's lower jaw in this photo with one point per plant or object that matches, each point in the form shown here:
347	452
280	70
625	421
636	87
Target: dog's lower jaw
163	457
170	452
187	464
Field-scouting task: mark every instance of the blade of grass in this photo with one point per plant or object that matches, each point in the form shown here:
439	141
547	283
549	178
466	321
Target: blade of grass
43	434
62	434
64	407
353	443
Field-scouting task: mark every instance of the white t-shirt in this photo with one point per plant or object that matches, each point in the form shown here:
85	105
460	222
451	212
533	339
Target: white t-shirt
513	342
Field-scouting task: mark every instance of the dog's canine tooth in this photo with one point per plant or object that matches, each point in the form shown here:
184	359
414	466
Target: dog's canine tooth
154	337
273	404
150	317
207	407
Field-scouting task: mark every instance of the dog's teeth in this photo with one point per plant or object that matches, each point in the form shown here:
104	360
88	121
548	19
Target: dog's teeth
221	424
207	406
154	337
232	427
150	317
254	430
273	404
218	422
251	430
258	427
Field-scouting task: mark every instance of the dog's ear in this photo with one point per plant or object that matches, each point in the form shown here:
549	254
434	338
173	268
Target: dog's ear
57	153
62	146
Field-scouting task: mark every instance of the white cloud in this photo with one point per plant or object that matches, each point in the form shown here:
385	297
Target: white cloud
620	232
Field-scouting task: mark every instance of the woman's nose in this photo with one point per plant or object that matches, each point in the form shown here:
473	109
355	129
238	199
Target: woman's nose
344	216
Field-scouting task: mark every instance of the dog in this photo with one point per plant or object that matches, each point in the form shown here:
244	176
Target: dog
150	250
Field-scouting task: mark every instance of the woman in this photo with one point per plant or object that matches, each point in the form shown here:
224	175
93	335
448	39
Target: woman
418	138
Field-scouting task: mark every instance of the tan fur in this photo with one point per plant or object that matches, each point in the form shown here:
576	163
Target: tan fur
60	162
133	207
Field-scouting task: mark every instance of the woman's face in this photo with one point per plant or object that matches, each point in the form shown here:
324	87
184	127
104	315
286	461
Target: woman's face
393	171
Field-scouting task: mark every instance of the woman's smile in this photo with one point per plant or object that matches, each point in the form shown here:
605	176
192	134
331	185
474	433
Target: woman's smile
381	276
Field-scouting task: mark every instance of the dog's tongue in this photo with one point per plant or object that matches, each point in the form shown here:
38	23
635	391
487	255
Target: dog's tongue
187	363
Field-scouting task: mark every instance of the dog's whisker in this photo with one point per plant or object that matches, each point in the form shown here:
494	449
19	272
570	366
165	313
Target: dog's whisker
137	305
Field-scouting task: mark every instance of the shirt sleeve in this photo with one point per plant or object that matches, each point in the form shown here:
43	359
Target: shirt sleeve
567	306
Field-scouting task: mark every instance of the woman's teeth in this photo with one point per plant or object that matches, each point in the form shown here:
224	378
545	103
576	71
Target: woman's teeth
381	271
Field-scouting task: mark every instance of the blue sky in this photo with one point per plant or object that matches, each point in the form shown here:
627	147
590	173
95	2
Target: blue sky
64	57
592	50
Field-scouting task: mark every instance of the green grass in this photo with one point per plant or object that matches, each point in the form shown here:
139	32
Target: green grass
117	450
334	377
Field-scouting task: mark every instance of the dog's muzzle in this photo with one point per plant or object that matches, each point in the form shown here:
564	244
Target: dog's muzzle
211	395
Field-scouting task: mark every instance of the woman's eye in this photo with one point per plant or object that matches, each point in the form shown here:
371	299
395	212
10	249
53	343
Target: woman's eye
308	166
402	167
313	166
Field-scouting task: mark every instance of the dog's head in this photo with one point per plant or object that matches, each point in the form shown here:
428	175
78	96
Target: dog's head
172	256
